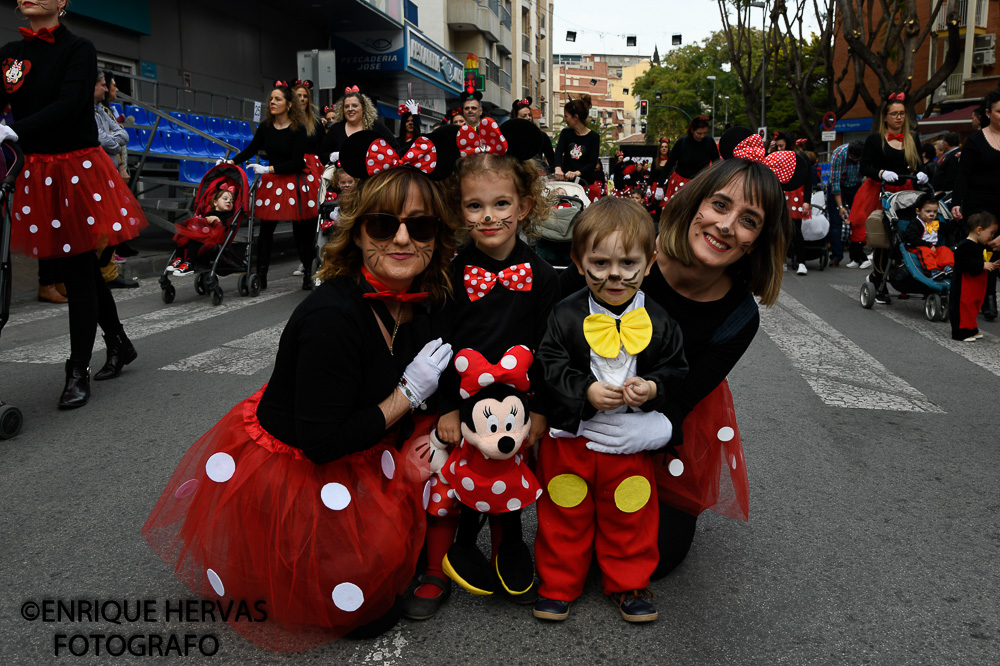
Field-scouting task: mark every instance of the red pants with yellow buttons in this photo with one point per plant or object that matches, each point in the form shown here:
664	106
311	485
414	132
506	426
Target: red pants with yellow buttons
594	503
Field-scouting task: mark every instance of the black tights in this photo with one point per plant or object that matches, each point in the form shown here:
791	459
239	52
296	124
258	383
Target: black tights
90	302
304	232
798	242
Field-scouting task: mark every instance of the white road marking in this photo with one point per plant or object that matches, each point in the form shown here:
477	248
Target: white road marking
31	313
245	356
56	350
386	650
840	372
985	352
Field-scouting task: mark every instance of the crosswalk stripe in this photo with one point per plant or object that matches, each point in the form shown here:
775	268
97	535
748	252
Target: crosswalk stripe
246	356
56	350
32	313
840	372
985	352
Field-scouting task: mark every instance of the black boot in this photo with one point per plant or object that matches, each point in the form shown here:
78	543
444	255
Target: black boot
263	260
307	283
77	391
120	353
990	307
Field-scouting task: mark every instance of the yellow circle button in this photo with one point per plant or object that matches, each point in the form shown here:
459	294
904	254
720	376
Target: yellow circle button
567	490
632	494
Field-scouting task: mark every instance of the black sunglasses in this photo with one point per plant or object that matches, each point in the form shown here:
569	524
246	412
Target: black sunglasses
384	226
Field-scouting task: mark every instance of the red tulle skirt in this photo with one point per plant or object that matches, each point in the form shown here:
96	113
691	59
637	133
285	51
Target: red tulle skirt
711	472
795	199
326	548
867	199
286	196
201	230
70	203
674	185
315	168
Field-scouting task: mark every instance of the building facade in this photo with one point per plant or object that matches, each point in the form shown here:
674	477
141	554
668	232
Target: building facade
604	78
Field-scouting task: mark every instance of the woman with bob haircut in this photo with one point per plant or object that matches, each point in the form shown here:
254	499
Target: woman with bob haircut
308	496
722	242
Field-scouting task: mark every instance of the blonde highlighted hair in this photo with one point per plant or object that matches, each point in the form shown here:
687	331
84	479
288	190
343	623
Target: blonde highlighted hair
910	149
607	216
387	192
368	113
309	113
525	175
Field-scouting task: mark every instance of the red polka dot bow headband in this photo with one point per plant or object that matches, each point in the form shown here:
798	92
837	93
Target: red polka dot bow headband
781	162
476	373
405	111
897	97
488	139
366	153
422	156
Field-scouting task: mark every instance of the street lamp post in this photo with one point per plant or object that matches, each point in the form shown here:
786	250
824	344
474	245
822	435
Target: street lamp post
727	113
762	4
712	79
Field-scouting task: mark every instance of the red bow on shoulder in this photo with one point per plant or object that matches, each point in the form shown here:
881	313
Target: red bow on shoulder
477	373
897	97
487	140
44	34
781	162
352	89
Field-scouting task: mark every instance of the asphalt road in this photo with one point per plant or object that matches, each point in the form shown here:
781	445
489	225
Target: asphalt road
870	442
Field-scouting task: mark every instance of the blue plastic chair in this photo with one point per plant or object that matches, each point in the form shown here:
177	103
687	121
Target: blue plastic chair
213	149
139	113
134	142
157	146
230	129
174	143
117	108
192	172
246	129
215	127
195	145
181	116
198	122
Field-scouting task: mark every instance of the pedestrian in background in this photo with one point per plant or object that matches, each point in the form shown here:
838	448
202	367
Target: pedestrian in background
845	179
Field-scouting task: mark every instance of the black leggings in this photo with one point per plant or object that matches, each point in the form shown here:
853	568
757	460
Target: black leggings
304	232
798	242
46	273
676	532
90	302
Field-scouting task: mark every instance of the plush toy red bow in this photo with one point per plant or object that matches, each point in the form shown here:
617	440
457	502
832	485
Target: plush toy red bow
44	34
781	162
487	140
897	97
422	156
476	373
352	89
280	84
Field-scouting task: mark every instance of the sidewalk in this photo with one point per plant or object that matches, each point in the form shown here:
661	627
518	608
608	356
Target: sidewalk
154	246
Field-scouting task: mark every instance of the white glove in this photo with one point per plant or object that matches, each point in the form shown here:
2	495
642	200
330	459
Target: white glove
889	176
412	107
439	453
334	156
7	134
659	194
420	379
624	434
222	161
922	178
258	168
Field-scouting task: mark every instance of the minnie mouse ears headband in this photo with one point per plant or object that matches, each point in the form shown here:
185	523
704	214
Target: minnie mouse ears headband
281	83
896	97
366	153
299	82
518	103
801	142
466	96
744	143
516	137
329	108
403	111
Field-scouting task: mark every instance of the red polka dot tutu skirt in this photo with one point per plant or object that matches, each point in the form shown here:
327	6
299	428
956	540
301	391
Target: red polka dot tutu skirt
286	196
315	168
66	204
795	199
674	186
327	548
201	230
711	472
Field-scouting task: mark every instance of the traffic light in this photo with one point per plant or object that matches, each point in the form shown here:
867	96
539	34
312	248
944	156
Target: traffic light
643	107
642	128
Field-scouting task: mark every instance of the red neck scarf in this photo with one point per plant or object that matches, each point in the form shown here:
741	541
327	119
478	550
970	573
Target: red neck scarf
45	34
383	293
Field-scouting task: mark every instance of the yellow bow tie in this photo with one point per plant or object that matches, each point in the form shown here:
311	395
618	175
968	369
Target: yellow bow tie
607	335
931	226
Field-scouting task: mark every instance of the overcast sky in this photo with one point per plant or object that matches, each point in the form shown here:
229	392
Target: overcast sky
651	21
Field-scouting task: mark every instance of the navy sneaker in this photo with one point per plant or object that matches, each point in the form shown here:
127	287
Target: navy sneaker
551	609
635	605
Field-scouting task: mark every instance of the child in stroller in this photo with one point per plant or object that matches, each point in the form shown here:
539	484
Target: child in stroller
202	233
922	237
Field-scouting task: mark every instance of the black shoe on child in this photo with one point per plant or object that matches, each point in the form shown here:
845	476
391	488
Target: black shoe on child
635	605
551	609
424	608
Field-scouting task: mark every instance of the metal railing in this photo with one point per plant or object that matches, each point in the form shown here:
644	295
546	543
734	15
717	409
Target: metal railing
526	43
172	96
955	85
505	81
494	6
961	8
505	17
490	70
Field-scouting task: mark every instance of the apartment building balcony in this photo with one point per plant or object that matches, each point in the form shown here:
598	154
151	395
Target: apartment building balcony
470	16
506	41
962	10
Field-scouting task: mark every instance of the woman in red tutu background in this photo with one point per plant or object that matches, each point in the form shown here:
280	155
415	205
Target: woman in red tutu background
310	494
69	199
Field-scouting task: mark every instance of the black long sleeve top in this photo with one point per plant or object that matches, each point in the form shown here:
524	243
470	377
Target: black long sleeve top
969	257
913	236
314	141
878	155
579	153
284	147
333	368
564	356
337	134
50	89
660	173
947	172
500	320
716	334
688	157
976	187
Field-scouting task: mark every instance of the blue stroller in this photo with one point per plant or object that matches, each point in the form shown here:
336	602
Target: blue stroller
903	271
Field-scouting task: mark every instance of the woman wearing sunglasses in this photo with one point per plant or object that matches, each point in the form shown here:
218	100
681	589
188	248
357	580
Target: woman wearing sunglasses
309	494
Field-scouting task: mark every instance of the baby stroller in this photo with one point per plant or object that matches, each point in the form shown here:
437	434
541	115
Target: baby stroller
903	271
216	259
10	416
329	215
814	232
557	229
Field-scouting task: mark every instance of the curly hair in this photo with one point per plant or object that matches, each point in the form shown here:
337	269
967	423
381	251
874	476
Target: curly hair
368	113
295	114
524	174
387	192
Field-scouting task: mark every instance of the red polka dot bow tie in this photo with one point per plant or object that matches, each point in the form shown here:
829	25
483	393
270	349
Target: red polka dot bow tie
487	139
894	137
476	373
44	34
422	156
479	281
781	162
